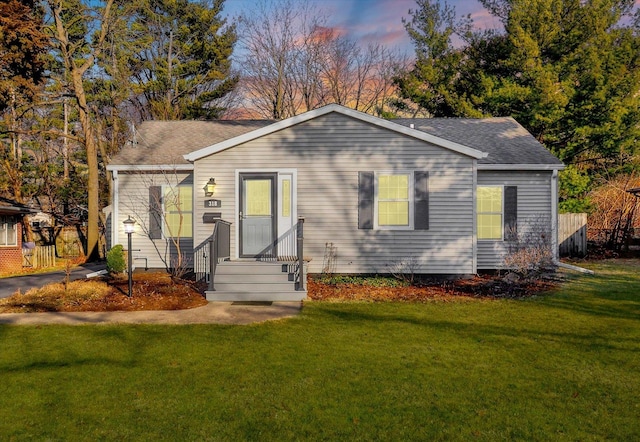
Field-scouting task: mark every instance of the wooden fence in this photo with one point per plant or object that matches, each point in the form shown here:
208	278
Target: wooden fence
572	234
38	257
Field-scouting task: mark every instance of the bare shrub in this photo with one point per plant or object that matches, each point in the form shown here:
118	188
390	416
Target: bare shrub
531	252
405	269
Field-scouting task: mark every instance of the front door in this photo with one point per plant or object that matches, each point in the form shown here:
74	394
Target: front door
257	210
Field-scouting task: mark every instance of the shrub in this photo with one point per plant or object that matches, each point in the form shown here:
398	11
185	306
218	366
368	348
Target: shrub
531	250
115	260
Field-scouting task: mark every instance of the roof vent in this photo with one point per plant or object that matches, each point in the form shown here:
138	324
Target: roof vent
412	126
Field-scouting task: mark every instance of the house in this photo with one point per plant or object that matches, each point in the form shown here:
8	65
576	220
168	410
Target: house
11	223
427	196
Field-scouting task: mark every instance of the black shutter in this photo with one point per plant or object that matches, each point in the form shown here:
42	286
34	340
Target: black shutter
365	200
510	213
155	212
421	201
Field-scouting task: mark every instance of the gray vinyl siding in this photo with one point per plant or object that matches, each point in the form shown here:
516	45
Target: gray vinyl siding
534	208
133	197
327	154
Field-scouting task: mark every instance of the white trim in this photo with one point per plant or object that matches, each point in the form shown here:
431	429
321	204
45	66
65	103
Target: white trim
554	214
115	212
294	198
219	147
411	199
520	167
474	236
150	167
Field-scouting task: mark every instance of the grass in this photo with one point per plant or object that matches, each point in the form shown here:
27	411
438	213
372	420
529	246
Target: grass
560	367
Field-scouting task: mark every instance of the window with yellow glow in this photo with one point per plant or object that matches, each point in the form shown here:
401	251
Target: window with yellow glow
286	198
393	199
178	212
258	197
489	212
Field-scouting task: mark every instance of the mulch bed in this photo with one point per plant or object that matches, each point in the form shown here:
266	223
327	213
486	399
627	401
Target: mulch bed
151	291
487	287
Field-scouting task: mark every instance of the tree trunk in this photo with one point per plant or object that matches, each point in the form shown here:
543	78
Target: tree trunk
91	147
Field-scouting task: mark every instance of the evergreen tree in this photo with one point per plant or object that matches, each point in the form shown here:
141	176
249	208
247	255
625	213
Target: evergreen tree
179	59
568	70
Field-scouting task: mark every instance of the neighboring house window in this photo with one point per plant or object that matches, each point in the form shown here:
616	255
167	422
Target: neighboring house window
8	231
178	211
489	210
393	200
497	212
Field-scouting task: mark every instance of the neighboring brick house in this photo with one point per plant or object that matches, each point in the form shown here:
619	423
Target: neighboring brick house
11	220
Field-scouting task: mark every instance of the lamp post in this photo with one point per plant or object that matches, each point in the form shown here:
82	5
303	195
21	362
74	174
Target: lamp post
128	229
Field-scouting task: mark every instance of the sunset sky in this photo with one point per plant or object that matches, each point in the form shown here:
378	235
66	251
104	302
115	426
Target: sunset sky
377	21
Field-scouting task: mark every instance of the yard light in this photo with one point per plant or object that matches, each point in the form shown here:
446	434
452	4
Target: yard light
210	187
129	225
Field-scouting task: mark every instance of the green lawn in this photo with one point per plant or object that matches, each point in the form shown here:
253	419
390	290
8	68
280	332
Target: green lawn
560	367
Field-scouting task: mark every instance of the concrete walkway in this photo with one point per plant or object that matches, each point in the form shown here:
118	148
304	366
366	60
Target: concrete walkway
212	313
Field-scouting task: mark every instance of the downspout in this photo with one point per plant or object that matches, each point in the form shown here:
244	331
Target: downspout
115	213
554	215
474	217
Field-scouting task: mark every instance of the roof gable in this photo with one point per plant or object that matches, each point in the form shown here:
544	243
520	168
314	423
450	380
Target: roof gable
289	122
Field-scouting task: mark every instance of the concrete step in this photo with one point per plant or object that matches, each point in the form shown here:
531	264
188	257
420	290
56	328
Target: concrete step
252	268
253	278
292	295
240	286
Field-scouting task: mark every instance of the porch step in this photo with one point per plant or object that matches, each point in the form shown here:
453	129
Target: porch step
256	296
254	281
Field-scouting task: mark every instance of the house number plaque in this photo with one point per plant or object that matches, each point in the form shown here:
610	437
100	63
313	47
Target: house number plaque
212	203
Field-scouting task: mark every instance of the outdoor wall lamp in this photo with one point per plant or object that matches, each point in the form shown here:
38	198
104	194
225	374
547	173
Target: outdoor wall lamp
129	225
210	187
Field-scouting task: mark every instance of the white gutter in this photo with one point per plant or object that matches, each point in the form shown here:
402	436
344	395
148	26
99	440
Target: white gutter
541	167
149	167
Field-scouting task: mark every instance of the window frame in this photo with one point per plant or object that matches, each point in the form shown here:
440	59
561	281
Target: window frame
5	220
410	200
165	228
502	213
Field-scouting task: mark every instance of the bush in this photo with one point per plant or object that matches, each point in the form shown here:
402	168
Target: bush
115	260
531	250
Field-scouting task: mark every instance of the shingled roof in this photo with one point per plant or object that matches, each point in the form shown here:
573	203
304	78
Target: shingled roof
165	142
504	139
11	207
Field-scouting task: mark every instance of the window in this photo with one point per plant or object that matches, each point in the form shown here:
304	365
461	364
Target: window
393	200
490	212
178	211
8	231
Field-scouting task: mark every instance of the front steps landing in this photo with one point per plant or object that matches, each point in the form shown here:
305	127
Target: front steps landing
255	281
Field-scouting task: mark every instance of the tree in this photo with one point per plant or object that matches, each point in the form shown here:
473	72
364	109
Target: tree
22	48
23	45
295	63
77	50
568	70
179	59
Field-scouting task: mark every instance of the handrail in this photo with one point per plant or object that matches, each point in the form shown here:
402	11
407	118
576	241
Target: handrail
300	247
219	247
